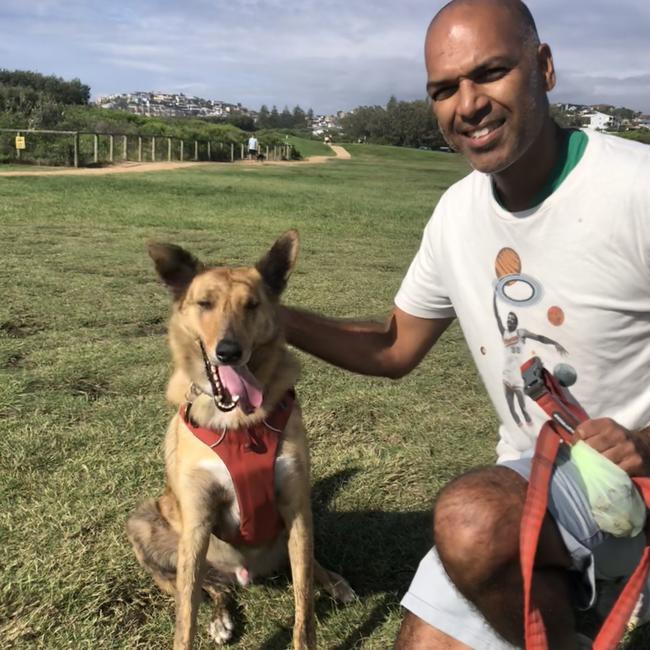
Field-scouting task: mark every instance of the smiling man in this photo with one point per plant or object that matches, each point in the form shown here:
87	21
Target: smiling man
553	225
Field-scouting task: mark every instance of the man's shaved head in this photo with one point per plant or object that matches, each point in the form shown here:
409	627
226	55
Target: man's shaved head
524	20
488	77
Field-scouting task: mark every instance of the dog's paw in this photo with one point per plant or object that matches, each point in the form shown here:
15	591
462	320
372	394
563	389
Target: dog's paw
340	589
243	576
220	628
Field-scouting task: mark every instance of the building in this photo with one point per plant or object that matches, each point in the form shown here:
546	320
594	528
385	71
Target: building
157	104
598	121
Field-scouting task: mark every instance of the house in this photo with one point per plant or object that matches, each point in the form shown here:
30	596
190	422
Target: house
599	121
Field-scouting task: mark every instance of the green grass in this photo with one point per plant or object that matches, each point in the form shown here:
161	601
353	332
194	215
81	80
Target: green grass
308	147
83	364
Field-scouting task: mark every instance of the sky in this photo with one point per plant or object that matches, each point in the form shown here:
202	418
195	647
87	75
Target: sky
329	55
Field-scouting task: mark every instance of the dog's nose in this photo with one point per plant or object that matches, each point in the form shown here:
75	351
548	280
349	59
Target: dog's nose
228	351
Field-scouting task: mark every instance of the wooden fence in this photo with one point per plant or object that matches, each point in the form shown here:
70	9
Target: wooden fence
84	147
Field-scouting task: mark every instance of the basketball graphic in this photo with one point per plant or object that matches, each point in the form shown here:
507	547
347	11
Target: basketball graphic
483	350
555	316
507	263
565	374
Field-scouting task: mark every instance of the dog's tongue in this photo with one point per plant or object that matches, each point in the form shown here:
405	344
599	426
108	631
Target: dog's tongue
241	382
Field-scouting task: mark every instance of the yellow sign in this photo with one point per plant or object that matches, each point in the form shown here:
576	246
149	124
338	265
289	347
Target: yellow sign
20	142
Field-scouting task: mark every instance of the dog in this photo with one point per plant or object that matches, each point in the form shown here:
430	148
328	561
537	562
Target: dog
260	157
233	378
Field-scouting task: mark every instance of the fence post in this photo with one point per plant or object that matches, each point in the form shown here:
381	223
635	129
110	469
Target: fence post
139	148
153	148
125	147
196	150
182	149
232	152
76	149
110	147
242	151
169	149
95	148
266	156
17	149
209	151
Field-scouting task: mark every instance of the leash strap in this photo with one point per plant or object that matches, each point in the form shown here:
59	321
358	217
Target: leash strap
542	387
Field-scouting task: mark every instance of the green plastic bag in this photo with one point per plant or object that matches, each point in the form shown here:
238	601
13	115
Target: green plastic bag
615	502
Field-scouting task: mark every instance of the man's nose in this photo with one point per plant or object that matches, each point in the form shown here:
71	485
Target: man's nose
471	99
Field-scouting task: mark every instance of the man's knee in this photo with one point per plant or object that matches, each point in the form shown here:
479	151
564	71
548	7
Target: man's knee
476	524
416	634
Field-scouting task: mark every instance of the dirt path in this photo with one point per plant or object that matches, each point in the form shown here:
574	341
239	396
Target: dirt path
136	167
340	152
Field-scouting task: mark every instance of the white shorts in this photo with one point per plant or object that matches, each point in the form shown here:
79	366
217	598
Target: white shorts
595	555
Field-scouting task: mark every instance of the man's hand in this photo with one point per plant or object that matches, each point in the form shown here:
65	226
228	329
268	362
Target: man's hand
629	450
561	349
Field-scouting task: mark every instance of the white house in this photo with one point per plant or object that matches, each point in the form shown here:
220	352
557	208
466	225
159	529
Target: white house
598	120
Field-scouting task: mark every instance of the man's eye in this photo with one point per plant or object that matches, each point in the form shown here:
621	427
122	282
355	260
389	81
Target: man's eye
493	74
443	93
252	304
205	304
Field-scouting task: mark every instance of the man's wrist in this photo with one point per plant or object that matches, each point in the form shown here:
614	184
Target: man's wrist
642	444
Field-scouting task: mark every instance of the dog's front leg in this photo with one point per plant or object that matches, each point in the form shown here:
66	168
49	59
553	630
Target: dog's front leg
197	521
298	519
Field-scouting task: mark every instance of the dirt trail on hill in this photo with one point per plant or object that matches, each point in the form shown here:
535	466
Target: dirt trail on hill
137	167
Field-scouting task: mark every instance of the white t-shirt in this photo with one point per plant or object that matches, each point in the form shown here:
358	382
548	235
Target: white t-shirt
572	274
252	143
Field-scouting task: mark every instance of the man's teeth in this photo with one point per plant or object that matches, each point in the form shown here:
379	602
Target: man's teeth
480	133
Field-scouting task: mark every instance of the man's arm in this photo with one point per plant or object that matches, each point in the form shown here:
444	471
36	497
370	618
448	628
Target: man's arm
543	339
496	314
390	349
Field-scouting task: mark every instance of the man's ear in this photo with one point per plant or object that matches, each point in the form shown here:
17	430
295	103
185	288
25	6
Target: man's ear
545	59
174	265
276	266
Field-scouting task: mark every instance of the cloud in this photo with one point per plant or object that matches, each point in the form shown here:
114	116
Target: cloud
331	54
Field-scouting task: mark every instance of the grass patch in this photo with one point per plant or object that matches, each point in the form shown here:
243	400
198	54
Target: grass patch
308	147
83	366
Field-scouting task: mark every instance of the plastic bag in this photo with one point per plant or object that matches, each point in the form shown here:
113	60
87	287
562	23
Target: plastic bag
615	502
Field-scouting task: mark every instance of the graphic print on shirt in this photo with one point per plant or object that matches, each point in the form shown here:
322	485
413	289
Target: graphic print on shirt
516	290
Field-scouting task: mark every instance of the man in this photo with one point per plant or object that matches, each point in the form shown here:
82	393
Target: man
514	339
558	224
252	147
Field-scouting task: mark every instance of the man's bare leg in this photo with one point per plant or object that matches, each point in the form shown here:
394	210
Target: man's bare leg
415	634
476	529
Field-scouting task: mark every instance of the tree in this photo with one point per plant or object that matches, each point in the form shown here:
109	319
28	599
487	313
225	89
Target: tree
274	118
408	124
263	117
299	118
286	119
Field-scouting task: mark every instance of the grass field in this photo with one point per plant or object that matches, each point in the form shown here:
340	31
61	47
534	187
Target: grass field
83	365
308	147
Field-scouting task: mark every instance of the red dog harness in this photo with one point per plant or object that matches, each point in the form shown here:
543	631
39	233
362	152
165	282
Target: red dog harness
249	456
541	386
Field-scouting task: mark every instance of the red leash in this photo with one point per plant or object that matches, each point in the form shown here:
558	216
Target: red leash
541	386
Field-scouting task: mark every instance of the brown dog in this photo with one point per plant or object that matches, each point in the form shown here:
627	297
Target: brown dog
232	370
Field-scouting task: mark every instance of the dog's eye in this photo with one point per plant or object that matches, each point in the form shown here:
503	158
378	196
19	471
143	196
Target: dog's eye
252	304
205	304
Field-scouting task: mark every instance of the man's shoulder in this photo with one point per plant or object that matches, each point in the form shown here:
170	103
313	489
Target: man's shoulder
466	190
617	150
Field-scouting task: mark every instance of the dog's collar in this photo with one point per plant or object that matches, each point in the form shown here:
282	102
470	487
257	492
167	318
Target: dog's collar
276	421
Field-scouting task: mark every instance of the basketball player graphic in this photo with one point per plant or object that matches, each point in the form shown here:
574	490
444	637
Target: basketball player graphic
513	341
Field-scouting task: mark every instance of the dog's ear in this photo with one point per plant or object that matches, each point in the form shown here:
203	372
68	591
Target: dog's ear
175	266
276	266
